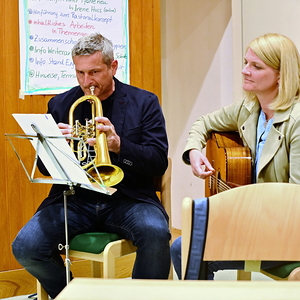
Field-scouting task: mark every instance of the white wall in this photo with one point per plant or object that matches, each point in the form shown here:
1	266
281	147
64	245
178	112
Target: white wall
197	78
263	16
253	18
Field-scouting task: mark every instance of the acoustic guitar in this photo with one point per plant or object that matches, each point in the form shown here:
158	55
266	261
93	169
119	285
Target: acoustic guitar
230	159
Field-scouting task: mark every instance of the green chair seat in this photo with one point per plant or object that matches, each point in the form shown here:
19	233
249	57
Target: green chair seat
92	242
283	271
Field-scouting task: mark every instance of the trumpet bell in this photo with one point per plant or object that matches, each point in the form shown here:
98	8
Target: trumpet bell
109	174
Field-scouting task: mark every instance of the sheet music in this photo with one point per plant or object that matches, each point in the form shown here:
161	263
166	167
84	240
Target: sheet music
60	148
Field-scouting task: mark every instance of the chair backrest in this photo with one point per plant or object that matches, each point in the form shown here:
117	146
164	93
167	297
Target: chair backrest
252	222
163	188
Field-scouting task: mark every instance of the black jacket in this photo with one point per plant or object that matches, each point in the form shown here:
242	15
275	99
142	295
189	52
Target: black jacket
138	120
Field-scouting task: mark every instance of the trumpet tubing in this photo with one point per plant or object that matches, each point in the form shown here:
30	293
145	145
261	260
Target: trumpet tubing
100	168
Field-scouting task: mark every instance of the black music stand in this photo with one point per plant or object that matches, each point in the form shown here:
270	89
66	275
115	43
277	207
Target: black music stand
58	161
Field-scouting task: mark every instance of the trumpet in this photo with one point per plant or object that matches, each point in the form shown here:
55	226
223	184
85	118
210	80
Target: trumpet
99	167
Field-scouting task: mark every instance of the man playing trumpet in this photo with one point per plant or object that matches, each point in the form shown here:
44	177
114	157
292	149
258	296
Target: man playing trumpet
137	143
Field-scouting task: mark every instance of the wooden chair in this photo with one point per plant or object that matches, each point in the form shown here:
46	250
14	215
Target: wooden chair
105	248
254	223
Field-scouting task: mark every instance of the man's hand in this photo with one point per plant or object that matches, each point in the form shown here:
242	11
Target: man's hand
113	140
201	167
65	129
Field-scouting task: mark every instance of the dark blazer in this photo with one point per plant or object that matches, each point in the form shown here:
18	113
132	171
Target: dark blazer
138	120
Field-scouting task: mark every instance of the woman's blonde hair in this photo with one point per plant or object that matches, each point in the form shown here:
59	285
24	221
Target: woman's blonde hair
280	53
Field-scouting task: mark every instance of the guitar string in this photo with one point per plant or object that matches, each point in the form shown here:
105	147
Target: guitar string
222	186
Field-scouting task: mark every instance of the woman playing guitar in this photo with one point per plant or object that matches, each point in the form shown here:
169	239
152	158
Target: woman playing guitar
267	121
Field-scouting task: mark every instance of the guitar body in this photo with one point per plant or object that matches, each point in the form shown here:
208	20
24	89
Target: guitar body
231	161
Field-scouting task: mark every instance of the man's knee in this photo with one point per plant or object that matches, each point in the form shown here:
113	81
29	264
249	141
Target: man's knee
154	237
23	249
18	249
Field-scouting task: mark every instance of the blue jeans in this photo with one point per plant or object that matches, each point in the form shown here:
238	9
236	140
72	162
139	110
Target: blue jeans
214	266
36	245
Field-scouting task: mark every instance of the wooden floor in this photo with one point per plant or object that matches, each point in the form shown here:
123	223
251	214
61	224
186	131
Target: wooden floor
20	282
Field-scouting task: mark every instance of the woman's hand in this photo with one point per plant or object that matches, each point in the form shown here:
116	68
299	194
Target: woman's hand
201	167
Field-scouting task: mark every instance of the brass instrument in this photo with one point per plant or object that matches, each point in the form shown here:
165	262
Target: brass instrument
99	168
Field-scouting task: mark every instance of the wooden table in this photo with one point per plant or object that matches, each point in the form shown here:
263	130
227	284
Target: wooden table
127	289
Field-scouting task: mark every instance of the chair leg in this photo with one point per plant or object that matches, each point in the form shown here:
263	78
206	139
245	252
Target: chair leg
243	275
41	293
109	265
171	276
96	269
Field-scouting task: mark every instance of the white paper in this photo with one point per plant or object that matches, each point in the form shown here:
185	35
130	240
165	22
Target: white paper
59	147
